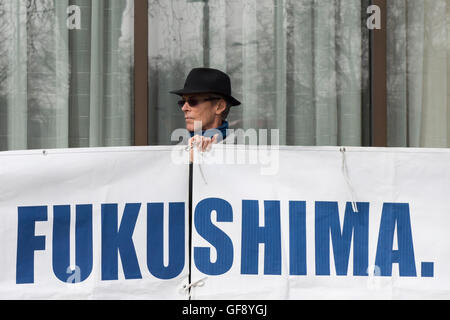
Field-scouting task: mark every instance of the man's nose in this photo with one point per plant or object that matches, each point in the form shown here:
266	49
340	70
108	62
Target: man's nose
185	107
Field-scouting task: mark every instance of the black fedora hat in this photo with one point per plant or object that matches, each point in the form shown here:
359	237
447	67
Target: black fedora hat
207	80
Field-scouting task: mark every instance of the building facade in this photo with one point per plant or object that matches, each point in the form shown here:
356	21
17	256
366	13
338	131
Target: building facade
95	73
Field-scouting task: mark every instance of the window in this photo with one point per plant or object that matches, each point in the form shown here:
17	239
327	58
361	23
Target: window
418	73
66	73
298	66
73	73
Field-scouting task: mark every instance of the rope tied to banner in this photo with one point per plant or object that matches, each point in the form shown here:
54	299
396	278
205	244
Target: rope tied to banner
344	170
187	287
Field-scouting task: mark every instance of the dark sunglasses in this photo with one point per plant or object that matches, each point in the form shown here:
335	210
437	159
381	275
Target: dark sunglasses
193	101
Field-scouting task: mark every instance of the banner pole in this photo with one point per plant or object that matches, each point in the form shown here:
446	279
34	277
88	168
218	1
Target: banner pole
191	169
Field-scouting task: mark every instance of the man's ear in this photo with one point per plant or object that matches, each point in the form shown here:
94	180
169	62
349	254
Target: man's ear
221	106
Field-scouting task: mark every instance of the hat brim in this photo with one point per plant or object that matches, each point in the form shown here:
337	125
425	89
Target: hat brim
233	101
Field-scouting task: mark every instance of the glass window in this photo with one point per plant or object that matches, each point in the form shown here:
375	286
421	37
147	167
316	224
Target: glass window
66	71
299	66
418	37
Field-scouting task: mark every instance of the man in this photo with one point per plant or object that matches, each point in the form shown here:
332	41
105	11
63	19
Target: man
206	102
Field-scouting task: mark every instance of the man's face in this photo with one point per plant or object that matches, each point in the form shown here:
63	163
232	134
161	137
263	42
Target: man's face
204	111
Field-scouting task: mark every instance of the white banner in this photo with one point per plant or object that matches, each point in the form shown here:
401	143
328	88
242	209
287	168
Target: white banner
321	223
90	224
286	223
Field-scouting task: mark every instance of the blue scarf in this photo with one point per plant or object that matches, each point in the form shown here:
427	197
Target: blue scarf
210	133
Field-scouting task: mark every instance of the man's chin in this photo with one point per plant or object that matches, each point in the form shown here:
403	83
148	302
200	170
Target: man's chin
190	125
194	125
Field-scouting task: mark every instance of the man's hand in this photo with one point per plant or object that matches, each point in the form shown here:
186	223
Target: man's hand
202	143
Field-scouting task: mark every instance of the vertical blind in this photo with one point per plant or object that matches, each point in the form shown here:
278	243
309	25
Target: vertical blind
64	88
418	73
299	66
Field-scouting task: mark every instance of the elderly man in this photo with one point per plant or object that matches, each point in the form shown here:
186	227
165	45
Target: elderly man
206	103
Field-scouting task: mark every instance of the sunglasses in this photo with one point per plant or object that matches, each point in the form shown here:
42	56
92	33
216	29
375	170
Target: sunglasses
193	101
